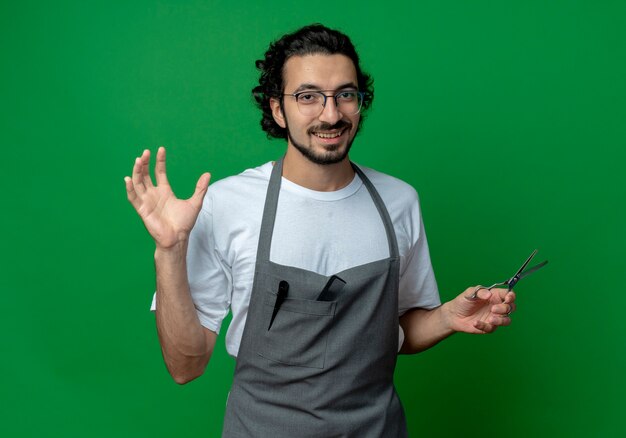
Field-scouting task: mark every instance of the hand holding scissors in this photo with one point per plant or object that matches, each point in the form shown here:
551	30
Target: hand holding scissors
482	309
511	282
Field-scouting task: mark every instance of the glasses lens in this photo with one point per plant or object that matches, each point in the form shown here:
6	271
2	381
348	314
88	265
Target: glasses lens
310	103
349	102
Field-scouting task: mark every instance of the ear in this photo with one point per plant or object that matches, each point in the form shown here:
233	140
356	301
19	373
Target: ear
277	112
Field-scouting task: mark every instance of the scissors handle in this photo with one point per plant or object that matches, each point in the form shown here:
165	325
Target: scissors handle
479	287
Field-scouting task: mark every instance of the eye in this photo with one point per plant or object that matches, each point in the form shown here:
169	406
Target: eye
308	98
347	96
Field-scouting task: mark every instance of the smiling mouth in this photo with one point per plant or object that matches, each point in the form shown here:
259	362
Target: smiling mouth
334	134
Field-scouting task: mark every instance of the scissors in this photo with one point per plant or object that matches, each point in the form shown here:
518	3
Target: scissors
511	282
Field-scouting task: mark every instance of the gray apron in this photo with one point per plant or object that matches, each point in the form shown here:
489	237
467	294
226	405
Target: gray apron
318	352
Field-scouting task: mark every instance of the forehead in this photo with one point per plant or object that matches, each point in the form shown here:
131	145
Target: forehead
326	72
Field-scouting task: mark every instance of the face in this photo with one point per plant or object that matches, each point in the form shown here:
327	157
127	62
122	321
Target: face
326	138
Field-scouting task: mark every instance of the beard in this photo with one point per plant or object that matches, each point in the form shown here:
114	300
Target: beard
332	153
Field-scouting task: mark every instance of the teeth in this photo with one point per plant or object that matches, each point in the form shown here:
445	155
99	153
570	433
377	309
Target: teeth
328	135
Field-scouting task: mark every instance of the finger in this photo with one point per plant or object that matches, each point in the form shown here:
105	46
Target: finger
477	293
145	168
496	320
510	297
504	295
484	327
130	190
137	176
201	188
159	169
499	293
502	309
134	199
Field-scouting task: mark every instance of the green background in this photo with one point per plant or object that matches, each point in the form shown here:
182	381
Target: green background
507	116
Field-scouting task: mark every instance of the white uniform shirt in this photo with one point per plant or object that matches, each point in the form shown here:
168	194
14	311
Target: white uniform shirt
324	232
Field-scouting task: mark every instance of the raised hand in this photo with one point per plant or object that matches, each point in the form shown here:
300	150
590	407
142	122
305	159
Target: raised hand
169	220
482	314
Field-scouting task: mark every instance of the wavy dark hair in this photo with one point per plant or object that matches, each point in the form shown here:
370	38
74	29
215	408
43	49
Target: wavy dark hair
309	40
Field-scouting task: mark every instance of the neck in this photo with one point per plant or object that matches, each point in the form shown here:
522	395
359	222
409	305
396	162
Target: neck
319	177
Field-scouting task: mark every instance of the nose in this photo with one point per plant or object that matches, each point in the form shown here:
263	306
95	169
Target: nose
330	113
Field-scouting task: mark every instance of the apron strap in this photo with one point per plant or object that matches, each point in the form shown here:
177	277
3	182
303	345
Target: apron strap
271	204
382	210
269	213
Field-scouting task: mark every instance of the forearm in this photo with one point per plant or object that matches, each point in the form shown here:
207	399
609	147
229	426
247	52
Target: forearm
185	343
424	329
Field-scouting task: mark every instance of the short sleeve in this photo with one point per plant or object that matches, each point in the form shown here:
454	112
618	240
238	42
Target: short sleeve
418	287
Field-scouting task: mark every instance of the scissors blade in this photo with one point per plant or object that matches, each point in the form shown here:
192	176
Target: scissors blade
525	264
531	270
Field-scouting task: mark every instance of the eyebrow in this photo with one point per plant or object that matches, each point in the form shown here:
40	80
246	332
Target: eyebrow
303	87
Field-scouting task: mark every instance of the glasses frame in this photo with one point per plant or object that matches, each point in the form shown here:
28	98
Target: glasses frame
297	95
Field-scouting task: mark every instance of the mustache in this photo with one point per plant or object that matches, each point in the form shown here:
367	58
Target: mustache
341	124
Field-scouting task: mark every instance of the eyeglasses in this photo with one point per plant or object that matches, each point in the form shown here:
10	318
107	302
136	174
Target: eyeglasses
312	103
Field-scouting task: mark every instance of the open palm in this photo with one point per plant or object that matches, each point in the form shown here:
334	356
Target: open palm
169	220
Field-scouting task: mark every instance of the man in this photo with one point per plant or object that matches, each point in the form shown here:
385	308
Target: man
324	265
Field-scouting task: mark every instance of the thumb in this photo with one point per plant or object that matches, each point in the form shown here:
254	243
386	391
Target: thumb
201	188
477	293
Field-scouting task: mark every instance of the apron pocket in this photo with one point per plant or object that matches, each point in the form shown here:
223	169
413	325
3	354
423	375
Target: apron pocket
298	333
